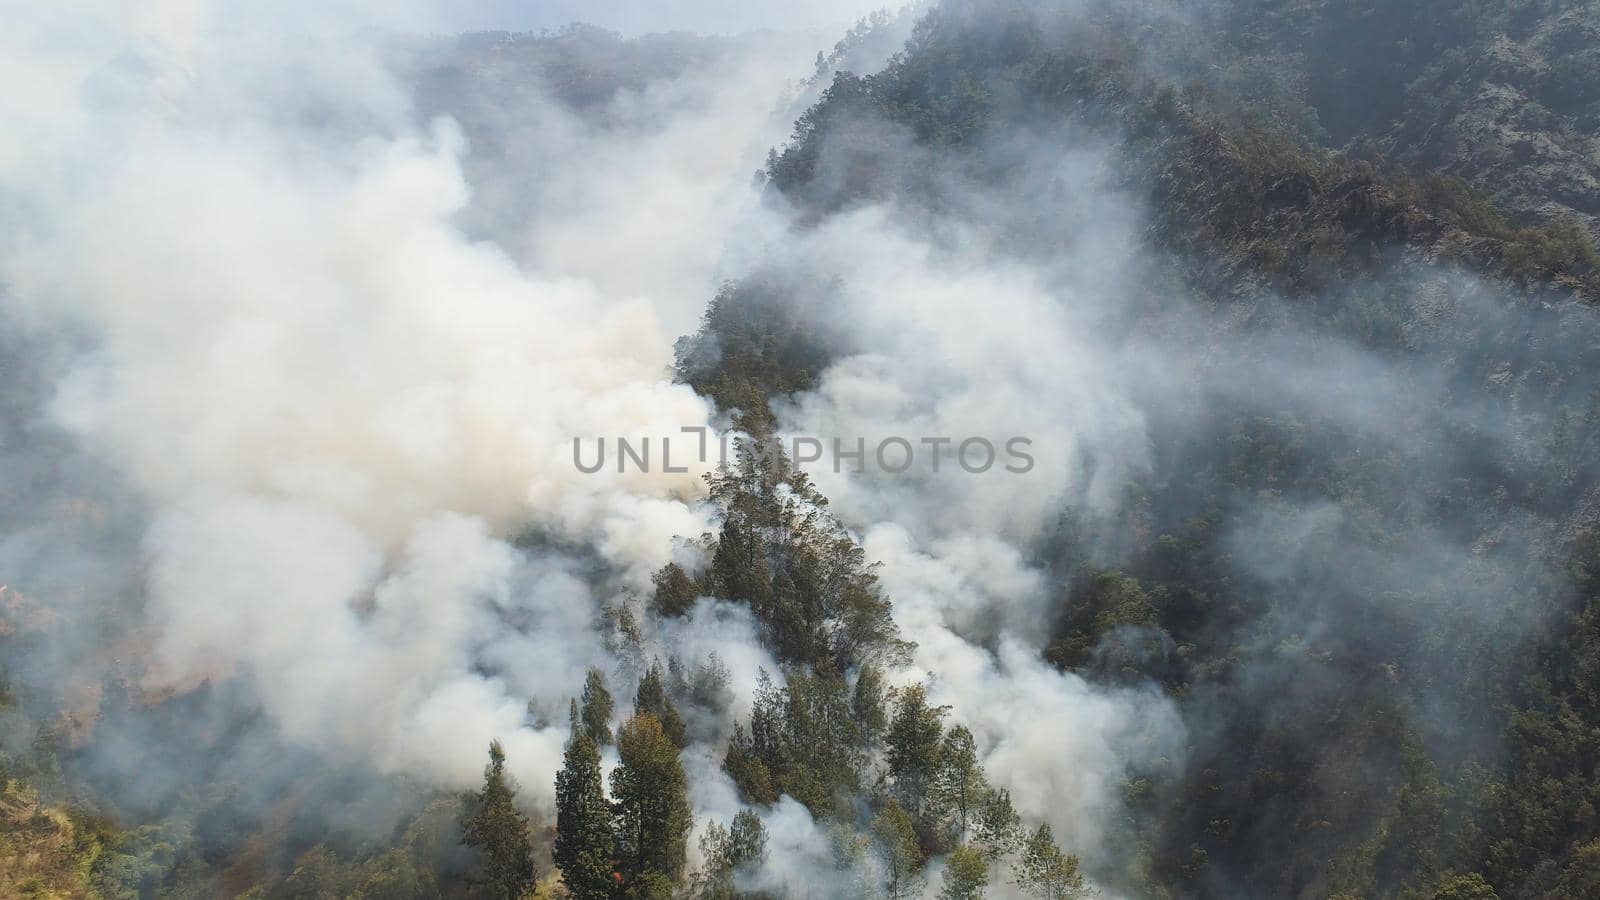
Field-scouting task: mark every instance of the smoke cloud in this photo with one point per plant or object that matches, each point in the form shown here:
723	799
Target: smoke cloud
309	337
333	408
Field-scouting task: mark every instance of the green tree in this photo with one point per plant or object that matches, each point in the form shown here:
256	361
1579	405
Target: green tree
822	740
747	769
896	840
1580	878
675	591
966	874
728	851
652	806
585	847
913	749
499	832
1045	872
652	700
739	568
804	577
866	702
1473	887
803	740
959	786
998	828
747	840
597	707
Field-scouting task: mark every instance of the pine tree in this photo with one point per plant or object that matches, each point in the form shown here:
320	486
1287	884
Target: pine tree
716	881
959	786
675	591
597	707
866	704
966	874
824	739
998	829
748	771
747	839
804	577
585	848
913	749
1045	872
739	568
896	840
652	700
652	805
500	833
727	851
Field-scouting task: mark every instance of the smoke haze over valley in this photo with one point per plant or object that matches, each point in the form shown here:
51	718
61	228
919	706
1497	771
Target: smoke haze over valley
304	306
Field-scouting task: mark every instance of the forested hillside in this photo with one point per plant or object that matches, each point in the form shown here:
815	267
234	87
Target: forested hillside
1367	724
1294	304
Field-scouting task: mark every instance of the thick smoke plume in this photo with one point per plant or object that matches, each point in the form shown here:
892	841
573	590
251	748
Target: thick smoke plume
336	408
329	346
305	335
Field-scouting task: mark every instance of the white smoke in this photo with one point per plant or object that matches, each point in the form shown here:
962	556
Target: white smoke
963	339
342	408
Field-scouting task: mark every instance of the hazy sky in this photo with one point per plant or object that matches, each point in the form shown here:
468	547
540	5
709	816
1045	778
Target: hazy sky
637	16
